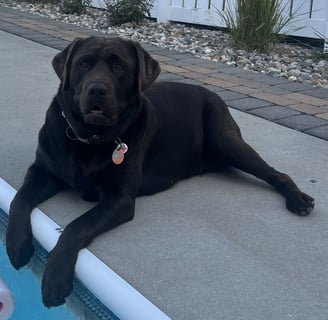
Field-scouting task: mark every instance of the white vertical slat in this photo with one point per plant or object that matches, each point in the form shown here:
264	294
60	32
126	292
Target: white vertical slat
176	3
163	9
217	4
202	4
189	4
320	9
301	8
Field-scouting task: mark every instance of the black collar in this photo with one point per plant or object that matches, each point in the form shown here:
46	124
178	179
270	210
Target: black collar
93	139
120	147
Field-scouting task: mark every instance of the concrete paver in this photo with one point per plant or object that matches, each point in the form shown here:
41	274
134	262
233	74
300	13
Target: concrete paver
274	112
316	92
323	115
248	103
302	122
320	132
308	108
228	95
303	98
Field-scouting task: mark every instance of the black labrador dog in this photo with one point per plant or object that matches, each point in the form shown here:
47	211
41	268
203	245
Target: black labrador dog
112	134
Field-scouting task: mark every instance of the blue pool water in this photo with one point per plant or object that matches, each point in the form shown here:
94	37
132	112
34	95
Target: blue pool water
25	288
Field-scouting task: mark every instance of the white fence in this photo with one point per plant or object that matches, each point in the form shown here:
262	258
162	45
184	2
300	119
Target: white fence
311	15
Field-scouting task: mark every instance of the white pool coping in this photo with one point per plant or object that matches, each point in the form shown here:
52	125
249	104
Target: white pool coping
113	291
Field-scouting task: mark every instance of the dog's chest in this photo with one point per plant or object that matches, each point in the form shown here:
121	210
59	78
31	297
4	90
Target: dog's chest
82	168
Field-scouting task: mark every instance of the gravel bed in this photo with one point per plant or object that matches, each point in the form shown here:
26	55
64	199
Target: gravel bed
293	62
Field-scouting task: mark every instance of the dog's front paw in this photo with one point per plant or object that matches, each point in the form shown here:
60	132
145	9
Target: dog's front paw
57	281
19	245
300	203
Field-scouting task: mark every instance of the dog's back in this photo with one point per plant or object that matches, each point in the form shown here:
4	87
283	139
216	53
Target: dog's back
179	147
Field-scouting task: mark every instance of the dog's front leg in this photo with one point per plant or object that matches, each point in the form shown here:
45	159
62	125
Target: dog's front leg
57	282
37	187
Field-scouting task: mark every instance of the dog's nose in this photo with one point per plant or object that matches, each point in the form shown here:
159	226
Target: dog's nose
96	89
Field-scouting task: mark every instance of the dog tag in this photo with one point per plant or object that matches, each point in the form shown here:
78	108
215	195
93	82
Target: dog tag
118	153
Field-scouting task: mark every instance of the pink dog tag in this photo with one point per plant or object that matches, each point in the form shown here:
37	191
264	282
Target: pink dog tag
118	153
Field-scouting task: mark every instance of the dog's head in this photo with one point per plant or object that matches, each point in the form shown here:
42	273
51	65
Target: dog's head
104	77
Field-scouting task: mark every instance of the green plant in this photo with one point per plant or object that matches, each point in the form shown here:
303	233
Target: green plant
257	24
75	6
123	11
319	54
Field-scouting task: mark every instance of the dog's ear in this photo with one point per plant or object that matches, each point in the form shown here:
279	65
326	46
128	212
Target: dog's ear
148	68
62	60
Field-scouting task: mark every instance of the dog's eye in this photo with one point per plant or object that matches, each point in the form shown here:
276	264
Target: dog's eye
118	67
84	65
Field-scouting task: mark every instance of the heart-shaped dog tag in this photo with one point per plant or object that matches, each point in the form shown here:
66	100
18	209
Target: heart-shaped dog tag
118	156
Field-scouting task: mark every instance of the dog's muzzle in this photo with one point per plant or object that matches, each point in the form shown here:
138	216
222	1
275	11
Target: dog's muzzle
98	106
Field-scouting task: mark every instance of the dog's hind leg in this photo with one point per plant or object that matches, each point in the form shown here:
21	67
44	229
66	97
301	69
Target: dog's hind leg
223	141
